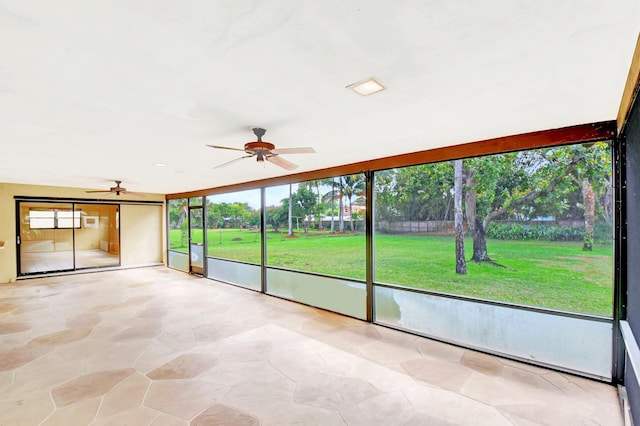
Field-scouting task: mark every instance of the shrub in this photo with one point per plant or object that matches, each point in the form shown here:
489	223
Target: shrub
603	232
519	231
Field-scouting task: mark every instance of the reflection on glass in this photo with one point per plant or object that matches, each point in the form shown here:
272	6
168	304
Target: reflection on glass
41	219
179	261
53	235
577	344
238	273
531	227
97	241
233	226
178	225
318	226
44	247
67	219
334	294
196	246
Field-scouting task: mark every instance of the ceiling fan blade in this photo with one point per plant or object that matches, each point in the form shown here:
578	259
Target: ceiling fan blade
219	166
305	150
225	147
89	192
136	194
279	161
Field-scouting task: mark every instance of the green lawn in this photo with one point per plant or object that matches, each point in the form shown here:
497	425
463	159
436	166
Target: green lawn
540	273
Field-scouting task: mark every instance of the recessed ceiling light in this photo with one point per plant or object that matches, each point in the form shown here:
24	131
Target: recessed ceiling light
160	164
367	87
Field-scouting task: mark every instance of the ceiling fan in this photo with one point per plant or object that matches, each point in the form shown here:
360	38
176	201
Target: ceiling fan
116	190
265	151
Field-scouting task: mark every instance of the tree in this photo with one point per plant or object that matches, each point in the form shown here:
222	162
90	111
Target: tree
385	200
352	185
330	197
340	206
318	212
419	193
214	216
336	193
589	203
276	217
507	183
461	263
303	203
290	221
592	174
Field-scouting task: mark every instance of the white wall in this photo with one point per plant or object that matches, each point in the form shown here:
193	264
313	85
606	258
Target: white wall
143	227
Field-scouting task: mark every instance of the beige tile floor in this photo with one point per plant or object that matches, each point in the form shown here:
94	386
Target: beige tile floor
154	346
63	260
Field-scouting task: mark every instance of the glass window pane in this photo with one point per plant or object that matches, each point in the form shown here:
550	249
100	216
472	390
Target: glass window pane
41	219
178	225
43	247
318	226
535	227
97	241
577	344
233	226
68	219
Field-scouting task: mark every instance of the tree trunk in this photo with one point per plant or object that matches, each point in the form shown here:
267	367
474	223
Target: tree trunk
290	233
181	217
588	200
470	198
318	209
333	205
351	215
607	202
476	225
340	215
461	263
480	243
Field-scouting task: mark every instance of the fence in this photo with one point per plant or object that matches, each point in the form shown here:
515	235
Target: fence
447	227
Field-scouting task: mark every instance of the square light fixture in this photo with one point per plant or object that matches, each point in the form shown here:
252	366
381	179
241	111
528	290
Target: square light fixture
367	87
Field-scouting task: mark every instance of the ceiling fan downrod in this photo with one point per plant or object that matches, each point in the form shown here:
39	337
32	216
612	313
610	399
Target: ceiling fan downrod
259	132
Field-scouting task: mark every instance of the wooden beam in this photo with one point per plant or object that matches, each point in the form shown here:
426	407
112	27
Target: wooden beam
566	135
631	89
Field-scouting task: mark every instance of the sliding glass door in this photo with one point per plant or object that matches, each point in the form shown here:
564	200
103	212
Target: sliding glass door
97	240
55	237
46	237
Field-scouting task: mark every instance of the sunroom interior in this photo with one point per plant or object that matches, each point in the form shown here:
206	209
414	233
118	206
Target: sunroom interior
484	199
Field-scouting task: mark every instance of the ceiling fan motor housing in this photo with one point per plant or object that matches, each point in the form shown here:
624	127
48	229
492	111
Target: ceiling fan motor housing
259	146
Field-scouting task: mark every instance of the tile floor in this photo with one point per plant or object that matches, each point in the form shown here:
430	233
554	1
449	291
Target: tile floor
154	346
63	260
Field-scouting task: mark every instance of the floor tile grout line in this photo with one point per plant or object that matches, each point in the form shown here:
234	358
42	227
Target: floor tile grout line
95	416
546	376
55	408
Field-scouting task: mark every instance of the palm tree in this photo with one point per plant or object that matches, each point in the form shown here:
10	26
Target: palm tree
331	197
317	183
290	233
352	185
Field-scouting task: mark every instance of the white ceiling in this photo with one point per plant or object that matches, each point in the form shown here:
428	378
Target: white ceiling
92	91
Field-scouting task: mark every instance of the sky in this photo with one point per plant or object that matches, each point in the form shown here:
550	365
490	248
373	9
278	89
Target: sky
274	195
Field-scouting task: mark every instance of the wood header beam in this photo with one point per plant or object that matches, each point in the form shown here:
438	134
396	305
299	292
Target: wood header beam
566	135
631	89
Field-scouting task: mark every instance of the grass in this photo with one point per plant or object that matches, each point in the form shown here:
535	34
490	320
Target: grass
555	275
